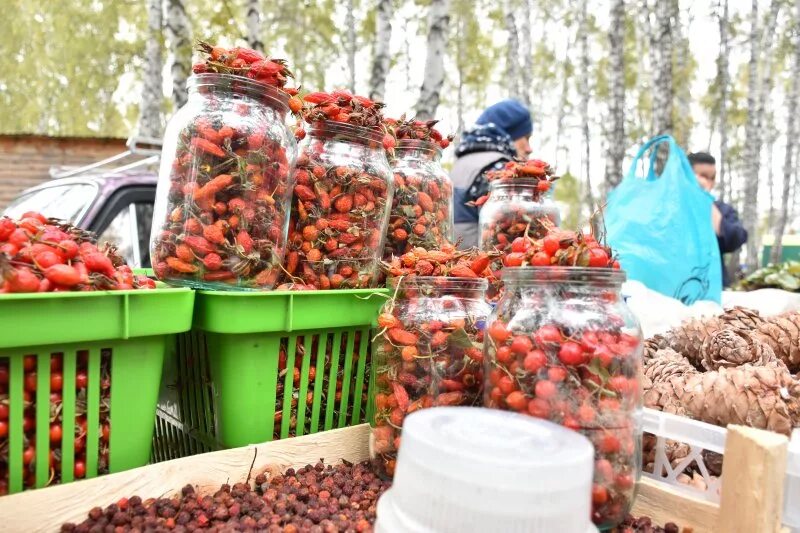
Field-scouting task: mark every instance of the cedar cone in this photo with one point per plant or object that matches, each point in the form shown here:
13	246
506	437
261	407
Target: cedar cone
688	338
763	397
735	347
652	346
667	363
782	334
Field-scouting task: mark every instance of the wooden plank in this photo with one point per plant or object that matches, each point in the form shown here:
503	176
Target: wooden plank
46	509
665	504
753	474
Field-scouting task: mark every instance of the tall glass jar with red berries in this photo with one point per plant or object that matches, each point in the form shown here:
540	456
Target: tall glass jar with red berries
422	209
342	198
516	207
224	191
562	345
429	353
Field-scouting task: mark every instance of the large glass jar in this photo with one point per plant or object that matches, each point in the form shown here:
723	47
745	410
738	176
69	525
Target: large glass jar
562	345
429	353
422	209
342	199
224	189
515	208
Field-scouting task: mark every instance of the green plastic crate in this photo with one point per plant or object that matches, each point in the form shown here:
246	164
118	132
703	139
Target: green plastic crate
119	336
224	387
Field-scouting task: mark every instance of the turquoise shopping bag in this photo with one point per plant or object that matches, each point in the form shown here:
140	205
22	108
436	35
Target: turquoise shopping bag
661	227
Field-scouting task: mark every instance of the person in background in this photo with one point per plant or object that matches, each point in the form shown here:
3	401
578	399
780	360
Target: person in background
731	235
500	134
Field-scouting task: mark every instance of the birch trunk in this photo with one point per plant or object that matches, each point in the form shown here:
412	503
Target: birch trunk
751	163
180	46
526	79
791	137
583	39
724	81
460	60
512	52
152	94
433	78
616	137
254	26
381	57
766	83
662	54
350	22
769	149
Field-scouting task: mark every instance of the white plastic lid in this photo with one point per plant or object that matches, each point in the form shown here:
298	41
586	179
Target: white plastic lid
473	469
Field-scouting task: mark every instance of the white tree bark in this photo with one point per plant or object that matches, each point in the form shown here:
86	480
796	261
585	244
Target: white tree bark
663	93
350	22
512	75
433	78
254	25
790	155
723	76
381	52
526	48
583	83
150	124
616	135
180	46
765	82
750	166
460	63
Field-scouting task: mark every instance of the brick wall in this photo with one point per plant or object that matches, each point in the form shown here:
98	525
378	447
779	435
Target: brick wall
25	160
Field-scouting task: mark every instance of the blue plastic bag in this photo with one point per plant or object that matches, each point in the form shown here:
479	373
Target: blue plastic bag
661	227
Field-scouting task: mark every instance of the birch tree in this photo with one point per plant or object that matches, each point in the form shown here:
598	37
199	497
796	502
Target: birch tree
381	58
180	47
583	84
526	49
433	77
790	156
616	136
350	22
662	49
723	79
254	26
512	75
750	166
152	94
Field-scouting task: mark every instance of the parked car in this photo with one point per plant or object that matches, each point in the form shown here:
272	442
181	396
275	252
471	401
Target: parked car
116	203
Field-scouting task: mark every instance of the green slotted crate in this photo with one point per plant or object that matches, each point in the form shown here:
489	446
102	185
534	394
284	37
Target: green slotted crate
232	380
108	349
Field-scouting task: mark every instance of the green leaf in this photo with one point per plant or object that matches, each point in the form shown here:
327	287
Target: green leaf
596	368
784	280
460	339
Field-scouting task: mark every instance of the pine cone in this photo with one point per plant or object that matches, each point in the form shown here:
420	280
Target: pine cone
667	363
782	334
652	346
741	318
735	347
763	397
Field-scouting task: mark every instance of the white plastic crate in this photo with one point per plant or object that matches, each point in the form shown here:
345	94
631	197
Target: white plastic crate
700	437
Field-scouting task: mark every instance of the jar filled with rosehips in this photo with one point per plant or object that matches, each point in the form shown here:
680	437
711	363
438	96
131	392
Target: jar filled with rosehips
563	346
224	191
422	209
429	353
342	199
516	207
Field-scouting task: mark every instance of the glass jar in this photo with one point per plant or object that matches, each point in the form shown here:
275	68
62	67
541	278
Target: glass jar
429	353
422	209
342	198
562	345
515	208
224	188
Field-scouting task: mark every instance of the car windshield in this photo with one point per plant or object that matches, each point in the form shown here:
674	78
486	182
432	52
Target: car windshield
66	202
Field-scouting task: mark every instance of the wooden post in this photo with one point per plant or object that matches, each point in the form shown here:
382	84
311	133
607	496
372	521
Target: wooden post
753	474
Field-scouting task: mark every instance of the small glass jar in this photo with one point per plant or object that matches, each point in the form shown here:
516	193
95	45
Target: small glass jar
515	208
342	198
224	190
429	353
563	346
422	209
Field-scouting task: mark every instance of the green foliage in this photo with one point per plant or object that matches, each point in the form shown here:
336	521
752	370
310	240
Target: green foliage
568	193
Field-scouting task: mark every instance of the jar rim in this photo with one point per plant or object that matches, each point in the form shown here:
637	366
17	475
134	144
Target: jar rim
512	182
349	130
418	144
439	282
563	274
247	86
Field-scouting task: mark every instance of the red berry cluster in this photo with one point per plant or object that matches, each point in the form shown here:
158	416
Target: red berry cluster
560	248
532	168
38	254
446	261
344	107
417	130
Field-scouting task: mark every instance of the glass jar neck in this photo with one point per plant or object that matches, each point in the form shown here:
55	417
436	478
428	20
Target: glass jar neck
327	131
588	279
202	86
436	286
515	186
420	150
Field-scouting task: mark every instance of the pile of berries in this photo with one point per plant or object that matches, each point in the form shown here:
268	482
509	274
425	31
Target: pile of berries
560	248
418	130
